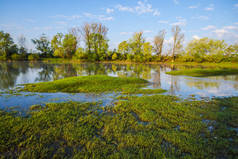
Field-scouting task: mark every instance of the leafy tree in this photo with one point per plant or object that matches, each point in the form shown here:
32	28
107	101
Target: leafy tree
147	51
43	46
206	49
7	46
64	45
123	49
136	43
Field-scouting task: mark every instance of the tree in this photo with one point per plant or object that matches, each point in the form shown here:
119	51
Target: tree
137	42
43	45
7	46
123	49
206	49
64	45
22	44
147	51
178	38
75	31
158	42
95	39
69	45
86	34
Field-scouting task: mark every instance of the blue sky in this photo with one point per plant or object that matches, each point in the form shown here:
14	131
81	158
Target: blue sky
216	19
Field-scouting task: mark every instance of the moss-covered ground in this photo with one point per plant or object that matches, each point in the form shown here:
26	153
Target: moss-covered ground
94	84
157	126
205	72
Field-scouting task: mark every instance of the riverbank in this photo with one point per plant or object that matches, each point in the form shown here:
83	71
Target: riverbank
193	64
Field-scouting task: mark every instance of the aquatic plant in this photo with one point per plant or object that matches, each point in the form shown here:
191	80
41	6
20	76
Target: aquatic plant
157	126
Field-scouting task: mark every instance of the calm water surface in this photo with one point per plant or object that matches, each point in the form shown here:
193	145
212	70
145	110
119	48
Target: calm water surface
14	73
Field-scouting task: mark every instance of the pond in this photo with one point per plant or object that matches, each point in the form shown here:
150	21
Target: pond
14	73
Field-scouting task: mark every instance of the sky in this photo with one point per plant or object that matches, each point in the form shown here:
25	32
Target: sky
217	19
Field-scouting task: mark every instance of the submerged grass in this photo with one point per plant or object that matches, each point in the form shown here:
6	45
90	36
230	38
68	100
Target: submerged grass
205	72
157	126
93	84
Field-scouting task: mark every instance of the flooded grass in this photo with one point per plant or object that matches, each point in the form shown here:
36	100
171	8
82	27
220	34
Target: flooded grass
205	72
157	126
93	84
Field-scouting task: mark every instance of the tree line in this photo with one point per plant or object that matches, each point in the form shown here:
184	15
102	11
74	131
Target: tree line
137	49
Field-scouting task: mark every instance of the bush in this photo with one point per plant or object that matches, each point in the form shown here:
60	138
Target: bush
33	57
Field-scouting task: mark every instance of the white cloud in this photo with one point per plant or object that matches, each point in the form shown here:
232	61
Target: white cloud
236	23
176	1
201	17
108	10
163	22
98	17
72	17
61	22
30	20
220	32
231	27
209	27
196	37
147	31
126	33
156	13
124	8
210	8
140	8
180	21
193	7
46	28
236	5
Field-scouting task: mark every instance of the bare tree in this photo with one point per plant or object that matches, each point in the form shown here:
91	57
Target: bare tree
158	42
22	41
178	38
94	35
75	31
85	32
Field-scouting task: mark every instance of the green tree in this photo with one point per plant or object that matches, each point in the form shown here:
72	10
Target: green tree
7	46
64	45
147	51
123	49
206	49
43	46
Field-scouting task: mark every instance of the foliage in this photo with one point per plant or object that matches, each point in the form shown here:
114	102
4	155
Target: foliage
32	57
201	50
7	46
64	45
43	46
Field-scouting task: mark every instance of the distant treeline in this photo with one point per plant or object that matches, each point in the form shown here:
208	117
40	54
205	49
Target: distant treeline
136	49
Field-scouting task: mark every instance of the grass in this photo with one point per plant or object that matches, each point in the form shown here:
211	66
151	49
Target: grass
205	72
158	126
93	84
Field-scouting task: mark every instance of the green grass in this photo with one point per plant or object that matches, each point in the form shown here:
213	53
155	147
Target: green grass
93	84
205	72
157	126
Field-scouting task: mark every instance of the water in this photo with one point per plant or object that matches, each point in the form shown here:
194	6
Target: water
14	73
